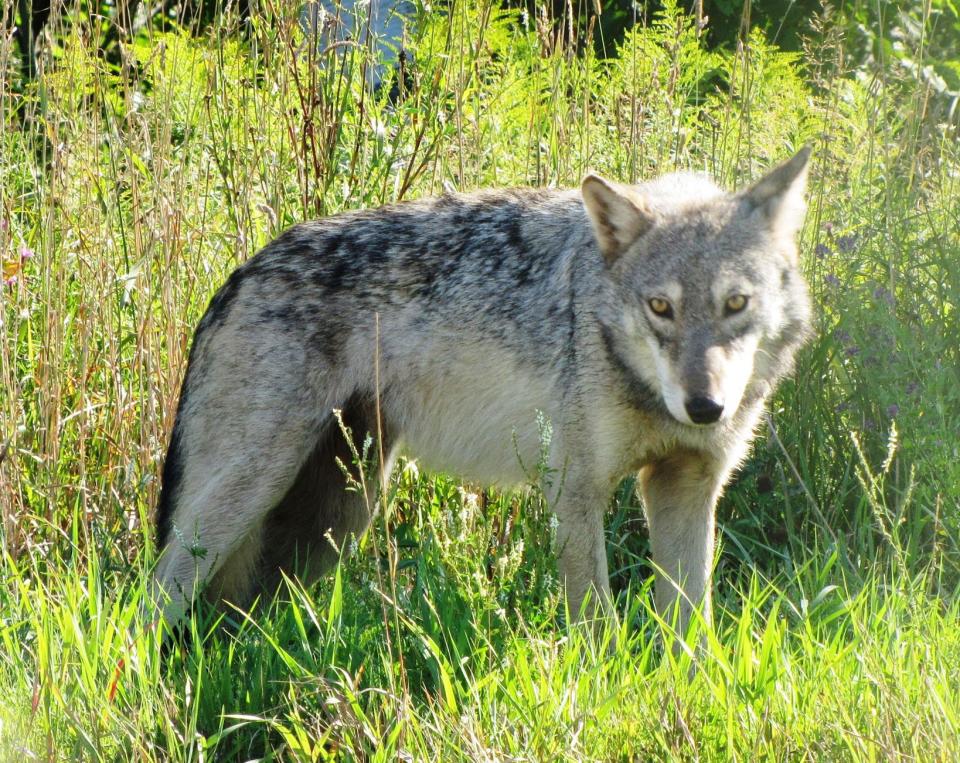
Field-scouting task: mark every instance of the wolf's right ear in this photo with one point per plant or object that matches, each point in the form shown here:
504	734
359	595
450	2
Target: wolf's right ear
619	217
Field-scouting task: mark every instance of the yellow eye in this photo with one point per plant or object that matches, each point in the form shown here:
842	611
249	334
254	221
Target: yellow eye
735	304
661	307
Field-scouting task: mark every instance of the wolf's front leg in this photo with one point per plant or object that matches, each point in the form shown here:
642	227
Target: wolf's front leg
680	492
582	552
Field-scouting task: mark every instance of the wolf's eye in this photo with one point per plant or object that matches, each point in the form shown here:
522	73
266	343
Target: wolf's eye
661	307
735	304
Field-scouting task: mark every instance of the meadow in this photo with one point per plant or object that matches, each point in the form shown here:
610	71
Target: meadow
131	185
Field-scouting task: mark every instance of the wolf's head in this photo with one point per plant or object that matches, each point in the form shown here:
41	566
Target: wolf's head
712	305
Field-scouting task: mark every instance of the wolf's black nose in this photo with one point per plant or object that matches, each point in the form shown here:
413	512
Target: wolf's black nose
703	410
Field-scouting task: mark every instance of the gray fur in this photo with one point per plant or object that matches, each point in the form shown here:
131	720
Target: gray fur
464	316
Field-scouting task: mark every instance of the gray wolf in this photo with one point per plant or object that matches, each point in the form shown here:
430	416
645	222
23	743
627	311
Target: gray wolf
647	323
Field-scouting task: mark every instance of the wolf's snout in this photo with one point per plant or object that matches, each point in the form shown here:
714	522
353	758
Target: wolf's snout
703	410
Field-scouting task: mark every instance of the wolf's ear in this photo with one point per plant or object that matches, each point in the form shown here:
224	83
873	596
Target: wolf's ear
618	216
778	195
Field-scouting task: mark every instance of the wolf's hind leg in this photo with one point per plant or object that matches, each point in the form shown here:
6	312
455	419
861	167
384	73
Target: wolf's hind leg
234	581
305	533
217	544
234	464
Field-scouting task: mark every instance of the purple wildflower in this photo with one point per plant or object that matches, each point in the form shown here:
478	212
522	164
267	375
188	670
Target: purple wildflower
852	351
11	282
828	227
882	293
26	253
832	280
821	250
846	243
893	410
842	336
912	387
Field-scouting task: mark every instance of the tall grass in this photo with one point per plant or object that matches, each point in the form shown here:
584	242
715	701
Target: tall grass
129	190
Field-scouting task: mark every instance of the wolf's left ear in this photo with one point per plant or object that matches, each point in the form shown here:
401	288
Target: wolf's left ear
778	195
618	215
